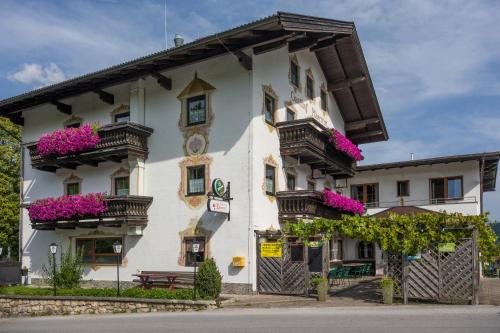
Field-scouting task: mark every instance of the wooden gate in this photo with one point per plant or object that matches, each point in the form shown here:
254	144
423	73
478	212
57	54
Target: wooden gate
282	275
439	276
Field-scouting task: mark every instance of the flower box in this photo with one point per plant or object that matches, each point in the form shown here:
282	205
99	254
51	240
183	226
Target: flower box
342	203
67	207
345	145
68	141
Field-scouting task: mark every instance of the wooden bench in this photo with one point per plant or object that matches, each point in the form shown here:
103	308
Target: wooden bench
164	279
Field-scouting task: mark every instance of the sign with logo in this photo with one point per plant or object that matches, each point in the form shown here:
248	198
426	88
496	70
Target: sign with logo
270	250
218	206
218	187
314	244
446	247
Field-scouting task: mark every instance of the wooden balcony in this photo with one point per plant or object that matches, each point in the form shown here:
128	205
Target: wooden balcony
307	141
122	209
304	204
118	142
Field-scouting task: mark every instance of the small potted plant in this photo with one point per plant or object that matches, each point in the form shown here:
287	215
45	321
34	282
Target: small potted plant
387	286
321	285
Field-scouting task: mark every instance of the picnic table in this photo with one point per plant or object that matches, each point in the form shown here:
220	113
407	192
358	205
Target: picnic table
161	279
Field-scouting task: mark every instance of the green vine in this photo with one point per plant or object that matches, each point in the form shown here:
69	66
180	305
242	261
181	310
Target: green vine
406	234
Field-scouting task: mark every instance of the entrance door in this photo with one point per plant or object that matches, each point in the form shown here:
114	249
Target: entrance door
315	259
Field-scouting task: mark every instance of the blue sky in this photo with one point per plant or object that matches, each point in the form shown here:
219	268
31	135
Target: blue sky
435	64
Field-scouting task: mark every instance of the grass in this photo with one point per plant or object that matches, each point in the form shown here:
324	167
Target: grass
155	293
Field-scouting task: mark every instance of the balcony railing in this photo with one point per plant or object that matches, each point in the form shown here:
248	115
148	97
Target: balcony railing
304	204
121	209
118	142
308	141
422	202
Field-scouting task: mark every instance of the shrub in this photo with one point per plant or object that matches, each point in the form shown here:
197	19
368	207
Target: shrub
155	293
68	274
208	280
386	282
316	280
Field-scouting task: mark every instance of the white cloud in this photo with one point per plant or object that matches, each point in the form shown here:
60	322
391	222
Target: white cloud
38	75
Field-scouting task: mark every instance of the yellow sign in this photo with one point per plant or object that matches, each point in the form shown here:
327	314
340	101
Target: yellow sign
446	247
270	250
238	261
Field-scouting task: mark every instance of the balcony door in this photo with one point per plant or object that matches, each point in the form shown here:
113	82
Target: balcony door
447	188
365	193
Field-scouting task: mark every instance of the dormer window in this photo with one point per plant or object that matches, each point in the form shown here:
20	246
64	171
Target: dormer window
196	110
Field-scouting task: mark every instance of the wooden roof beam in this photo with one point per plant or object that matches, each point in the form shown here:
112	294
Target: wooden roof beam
269	46
300	44
61	107
244	60
344	84
365	135
18	120
360	124
105	96
162	80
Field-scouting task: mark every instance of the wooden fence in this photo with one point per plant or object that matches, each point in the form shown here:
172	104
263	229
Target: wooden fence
451	277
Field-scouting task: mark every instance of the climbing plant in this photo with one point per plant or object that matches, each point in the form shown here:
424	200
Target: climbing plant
406	234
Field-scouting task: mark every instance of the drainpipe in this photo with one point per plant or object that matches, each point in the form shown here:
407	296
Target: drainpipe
251	254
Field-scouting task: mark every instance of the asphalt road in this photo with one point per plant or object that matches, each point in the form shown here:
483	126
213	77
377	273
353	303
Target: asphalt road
419	319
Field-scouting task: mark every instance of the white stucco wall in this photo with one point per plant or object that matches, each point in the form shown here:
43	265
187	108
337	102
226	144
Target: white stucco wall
419	186
238	142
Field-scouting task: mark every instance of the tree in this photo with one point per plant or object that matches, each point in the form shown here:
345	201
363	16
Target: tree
10	143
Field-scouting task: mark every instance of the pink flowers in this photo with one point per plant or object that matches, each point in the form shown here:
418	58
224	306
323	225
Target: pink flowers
345	145
338	201
68	140
67	207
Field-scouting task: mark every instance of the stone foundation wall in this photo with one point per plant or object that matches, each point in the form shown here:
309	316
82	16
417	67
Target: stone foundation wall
237	288
21	306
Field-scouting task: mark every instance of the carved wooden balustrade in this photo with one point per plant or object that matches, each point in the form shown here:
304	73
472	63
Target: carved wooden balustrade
118	142
129	209
304	204
308	141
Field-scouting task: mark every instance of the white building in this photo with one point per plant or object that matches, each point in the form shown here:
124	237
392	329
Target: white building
251	106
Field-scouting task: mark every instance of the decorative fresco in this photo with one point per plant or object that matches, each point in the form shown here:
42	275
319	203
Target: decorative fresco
269	160
73	120
194	201
268	89
122	108
194	229
197	87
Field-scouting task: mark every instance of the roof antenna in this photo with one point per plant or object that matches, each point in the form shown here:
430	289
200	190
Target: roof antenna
165	16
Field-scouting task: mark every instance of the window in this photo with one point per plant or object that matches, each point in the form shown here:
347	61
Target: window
365	250
294	73
122	117
196	180
290	115
191	256
309	87
98	250
403	188
72	188
336	249
290	182
311	186
196	110
365	193
296	252
324	100
270	176
269	109
446	188
122	185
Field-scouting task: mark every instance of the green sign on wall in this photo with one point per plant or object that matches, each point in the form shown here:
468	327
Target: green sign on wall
446	247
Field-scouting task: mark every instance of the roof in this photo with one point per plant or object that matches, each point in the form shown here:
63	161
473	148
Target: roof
488	162
403	210
334	42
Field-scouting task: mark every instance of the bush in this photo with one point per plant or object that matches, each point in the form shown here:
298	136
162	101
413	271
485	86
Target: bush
316	280
386	282
208	280
68	274
155	293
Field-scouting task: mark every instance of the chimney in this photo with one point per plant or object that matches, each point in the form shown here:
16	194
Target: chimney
178	40
412	156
